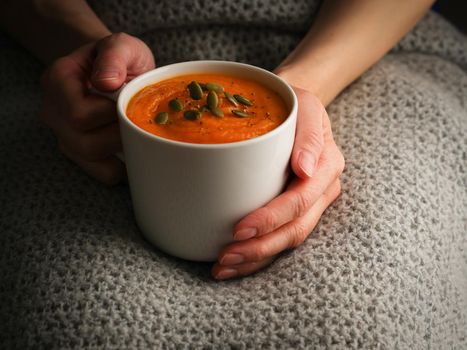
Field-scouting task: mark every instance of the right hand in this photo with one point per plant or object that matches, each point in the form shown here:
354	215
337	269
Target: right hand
85	124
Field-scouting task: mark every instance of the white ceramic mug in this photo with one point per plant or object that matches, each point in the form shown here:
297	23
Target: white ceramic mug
187	197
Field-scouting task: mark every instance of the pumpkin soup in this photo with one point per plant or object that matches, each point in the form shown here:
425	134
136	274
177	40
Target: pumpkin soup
207	108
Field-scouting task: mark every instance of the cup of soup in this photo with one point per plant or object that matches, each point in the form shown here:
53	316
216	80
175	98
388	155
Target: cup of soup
205	143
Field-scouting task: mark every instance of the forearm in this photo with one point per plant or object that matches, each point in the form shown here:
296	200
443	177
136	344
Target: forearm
51	28
348	37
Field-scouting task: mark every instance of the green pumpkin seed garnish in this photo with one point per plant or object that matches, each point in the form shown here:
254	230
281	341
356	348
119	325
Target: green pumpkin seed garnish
162	118
243	100
215	87
230	98
192	114
196	93
217	112
240	114
204	108
212	100
176	105
203	86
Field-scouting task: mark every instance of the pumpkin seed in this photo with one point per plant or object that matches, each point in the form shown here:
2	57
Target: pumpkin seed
196	93
240	114
230	98
204	108
217	112
212	100
192	114
162	118
176	105
215	87
243	100
203	86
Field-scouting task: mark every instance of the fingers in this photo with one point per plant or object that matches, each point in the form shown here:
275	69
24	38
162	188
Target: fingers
91	145
89	112
118	56
221	272
86	125
109	171
309	137
67	99
242	258
287	220
95	112
296	201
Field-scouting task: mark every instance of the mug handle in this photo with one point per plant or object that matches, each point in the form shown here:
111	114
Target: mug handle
114	97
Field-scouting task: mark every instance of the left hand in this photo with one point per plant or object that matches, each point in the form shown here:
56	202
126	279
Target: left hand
287	220
86	125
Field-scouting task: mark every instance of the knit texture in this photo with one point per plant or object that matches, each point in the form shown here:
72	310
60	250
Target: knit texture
259	32
386	267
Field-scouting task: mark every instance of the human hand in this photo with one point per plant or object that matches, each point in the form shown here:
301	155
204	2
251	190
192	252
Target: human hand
287	220
86	125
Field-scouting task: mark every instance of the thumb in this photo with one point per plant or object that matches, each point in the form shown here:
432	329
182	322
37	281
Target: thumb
119	56
309	139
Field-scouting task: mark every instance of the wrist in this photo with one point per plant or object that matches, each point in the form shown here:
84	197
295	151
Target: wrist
304	79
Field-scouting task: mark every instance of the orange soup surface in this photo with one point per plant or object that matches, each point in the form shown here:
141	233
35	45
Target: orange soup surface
241	109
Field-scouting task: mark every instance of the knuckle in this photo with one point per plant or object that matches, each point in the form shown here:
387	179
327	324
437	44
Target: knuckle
334	192
259	252
113	39
120	36
110	56
314	139
297	235
143	63
268	218
339	163
302	203
336	162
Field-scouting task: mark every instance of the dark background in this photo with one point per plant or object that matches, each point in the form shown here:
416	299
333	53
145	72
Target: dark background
455	11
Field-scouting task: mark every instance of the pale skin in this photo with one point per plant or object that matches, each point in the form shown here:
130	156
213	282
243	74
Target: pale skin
347	37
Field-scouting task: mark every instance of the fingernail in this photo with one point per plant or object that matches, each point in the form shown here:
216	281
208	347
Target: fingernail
226	273
306	162
106	74
232	259
245	233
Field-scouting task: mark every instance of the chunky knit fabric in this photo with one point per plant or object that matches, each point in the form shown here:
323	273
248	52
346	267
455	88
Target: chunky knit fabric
386	268
260	32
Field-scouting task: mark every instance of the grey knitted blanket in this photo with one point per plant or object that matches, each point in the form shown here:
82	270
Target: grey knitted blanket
386	268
